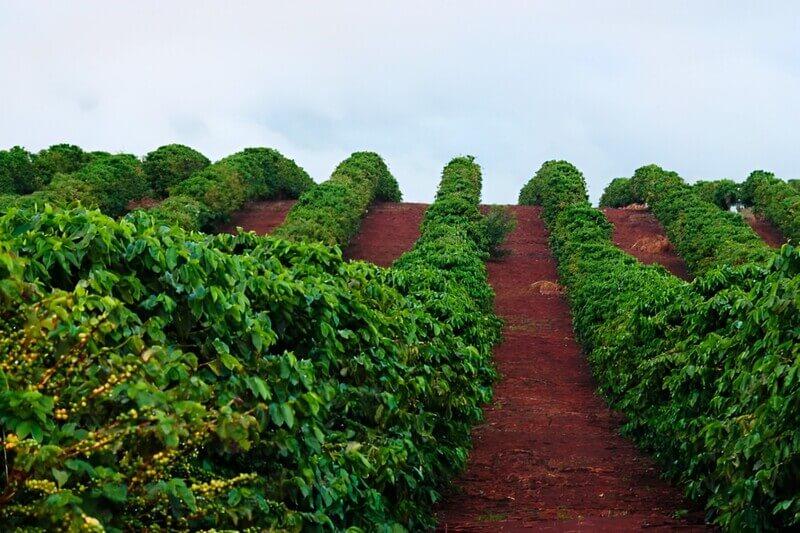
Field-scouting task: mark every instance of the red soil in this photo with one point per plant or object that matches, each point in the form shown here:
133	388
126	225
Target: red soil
549	456
261	217
639	233
388	231
768	233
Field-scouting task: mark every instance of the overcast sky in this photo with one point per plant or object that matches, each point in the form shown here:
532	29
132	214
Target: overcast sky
709	89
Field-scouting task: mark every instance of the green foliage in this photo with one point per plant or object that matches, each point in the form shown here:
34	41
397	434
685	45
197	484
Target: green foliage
38	170
160	379
9	201
332	211
181	211
775	200
67	189
617	193
169	165
23	173
702	234
706	373
109	182
444	278
497	226
225	186
444	275
747	189
267	174
722	193
794	183
530	193
555	186
388	189
59	159
219	188
17	173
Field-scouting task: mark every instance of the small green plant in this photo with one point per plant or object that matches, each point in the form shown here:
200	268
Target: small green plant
497	226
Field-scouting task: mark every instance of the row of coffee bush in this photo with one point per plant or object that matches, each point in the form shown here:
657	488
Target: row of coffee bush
705	236
212	194
156	378
722	193
332	211
64	174
182	184
776	200
708	372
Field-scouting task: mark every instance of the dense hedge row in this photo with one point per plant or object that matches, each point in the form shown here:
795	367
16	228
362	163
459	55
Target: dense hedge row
155	378
707	373
444	278
388	190
170	165
23	172
198	194
775	200
617	193
702	234
104	181
215	191
17	172
445	271
332	211
549	188
722	193
109	183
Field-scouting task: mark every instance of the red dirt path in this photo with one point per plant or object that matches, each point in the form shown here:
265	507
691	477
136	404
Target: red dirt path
768	233
388	231
549	456
261	217
638	232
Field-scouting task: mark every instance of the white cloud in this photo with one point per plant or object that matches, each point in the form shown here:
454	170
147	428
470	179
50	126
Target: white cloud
708	90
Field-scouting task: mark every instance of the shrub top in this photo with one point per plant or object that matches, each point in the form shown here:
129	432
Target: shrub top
171	164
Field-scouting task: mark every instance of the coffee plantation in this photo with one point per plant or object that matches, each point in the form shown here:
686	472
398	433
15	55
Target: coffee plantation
157	375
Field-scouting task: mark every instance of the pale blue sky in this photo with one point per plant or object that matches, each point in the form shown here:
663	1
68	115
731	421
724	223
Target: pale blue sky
710	89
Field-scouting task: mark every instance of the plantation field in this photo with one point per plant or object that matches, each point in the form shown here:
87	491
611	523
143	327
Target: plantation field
197	345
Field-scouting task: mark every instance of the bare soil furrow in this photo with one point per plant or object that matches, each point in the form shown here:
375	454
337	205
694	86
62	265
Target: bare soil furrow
549	456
